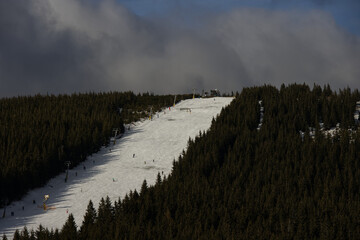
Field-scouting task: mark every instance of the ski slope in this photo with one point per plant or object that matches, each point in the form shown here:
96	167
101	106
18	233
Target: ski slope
113	171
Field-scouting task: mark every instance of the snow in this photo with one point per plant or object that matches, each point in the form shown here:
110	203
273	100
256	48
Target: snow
331	133
261	115
113	171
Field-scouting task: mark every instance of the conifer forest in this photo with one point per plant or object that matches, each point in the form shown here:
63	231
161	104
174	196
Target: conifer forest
39	134
268	168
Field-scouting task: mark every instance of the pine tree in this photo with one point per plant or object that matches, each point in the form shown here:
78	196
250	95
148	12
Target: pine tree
68	231
32	235
25	234
144	187
105	220
88	222
158	179
56	235
17	235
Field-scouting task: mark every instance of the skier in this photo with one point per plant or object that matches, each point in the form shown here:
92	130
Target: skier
133	155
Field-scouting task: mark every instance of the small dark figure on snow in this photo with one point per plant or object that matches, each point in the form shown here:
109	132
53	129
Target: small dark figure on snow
133	155
84	167
34	202
23	208
76	174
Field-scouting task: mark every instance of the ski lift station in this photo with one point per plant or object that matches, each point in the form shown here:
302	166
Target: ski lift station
213	93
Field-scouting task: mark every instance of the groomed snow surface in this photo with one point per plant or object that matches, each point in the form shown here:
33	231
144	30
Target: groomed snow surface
114	170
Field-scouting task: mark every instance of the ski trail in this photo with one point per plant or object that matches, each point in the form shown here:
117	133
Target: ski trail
115	172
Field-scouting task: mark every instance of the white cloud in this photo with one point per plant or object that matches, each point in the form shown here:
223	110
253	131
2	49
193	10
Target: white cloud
290	46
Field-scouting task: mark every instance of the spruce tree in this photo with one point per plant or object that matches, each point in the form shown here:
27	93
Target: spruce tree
68	231
32	235
17	235
25	234
88	222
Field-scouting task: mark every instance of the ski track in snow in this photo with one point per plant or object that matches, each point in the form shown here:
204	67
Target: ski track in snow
114	173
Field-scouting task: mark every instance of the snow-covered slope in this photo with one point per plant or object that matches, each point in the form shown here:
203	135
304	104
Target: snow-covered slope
114	171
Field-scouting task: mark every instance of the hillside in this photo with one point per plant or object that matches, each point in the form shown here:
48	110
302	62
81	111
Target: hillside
114	171
40	134
269	167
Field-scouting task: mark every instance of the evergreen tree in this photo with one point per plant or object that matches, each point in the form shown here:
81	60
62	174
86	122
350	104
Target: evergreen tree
25	234
68	231
17	235
88	222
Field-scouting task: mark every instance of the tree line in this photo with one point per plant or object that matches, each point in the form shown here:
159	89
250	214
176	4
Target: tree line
38	134
238	182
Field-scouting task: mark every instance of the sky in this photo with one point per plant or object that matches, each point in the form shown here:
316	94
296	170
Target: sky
173	46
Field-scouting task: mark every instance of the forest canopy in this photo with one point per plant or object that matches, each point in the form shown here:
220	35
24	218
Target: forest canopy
38	134
241	181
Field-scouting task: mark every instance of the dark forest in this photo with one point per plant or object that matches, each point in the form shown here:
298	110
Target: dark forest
236	181
39	134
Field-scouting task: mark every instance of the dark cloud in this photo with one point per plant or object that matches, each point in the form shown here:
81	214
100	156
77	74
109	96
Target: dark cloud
75	45
80	46
35	58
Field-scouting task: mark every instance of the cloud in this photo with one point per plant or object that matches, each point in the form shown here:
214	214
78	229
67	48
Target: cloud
147	56
288	46
75	45
35	58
